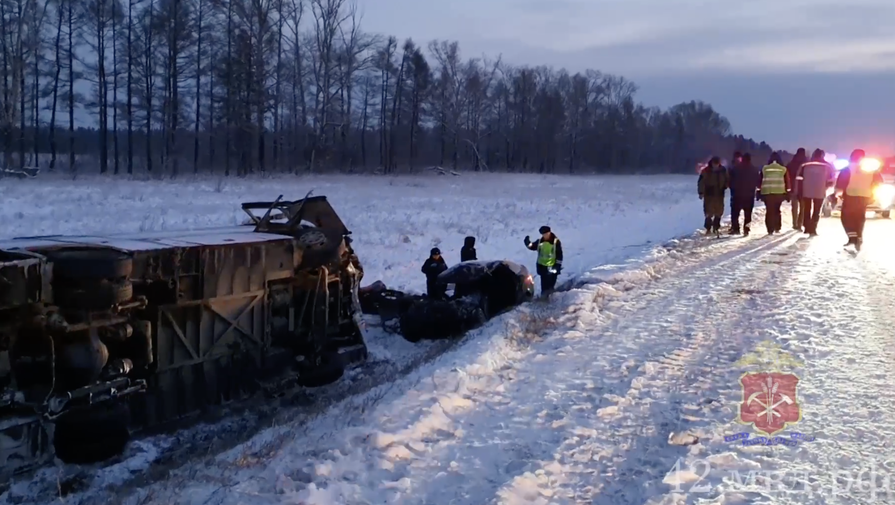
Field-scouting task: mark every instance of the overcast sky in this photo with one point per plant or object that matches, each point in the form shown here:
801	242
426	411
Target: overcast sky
813	73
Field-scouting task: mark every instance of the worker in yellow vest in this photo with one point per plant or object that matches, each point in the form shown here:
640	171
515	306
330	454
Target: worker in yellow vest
549	264
773	188
855	185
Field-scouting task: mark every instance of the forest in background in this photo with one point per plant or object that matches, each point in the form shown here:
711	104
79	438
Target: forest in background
238	87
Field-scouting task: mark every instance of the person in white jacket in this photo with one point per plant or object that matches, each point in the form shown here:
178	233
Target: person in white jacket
815	178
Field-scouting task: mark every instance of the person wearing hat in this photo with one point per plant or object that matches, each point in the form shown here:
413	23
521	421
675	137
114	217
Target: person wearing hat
433	266
855	185
467	252
549	264
713	183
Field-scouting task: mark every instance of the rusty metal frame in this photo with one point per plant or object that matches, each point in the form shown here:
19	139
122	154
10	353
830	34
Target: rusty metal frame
291	210
254	297
316	210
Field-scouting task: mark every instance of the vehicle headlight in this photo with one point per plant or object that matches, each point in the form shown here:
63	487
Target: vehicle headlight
870	164
884	194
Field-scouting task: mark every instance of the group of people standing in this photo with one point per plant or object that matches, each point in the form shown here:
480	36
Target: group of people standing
747	184
549	262
803	182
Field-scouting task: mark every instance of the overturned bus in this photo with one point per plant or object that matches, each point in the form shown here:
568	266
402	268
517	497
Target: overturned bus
101	336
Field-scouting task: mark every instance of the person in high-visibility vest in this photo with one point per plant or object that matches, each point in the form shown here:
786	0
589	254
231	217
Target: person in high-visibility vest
855	185
549	264
773	188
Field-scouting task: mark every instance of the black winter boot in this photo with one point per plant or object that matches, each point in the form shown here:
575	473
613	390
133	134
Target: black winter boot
746	231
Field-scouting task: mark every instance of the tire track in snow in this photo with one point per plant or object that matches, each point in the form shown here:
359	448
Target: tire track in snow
696	397
520	452
835	314
634	422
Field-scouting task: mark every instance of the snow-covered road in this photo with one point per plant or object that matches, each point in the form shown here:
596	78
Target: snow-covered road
835	314
621	392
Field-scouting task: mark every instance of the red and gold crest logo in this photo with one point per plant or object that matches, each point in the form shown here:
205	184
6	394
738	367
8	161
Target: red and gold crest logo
770	397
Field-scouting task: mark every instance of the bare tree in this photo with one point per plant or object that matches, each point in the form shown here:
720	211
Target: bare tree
59	13
260	83
117	15
329	16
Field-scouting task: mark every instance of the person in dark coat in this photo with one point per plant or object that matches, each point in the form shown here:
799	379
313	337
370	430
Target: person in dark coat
433	266
743	185
792	170
549	264
734	162
467	252
713	183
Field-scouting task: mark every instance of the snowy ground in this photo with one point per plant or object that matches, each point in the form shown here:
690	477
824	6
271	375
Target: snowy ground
602	220
620	392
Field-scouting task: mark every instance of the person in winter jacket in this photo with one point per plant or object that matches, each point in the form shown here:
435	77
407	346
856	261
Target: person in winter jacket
774	188
433	266
549	264
735	161
713	182
856	184
743	184
792	169
467	252
814	178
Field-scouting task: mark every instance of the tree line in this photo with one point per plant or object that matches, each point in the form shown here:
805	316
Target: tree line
256	86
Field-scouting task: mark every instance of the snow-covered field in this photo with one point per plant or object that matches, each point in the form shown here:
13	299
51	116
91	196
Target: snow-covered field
395	221
622	390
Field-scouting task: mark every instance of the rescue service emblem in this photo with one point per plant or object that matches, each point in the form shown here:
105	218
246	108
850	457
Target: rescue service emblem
769	401
770	396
